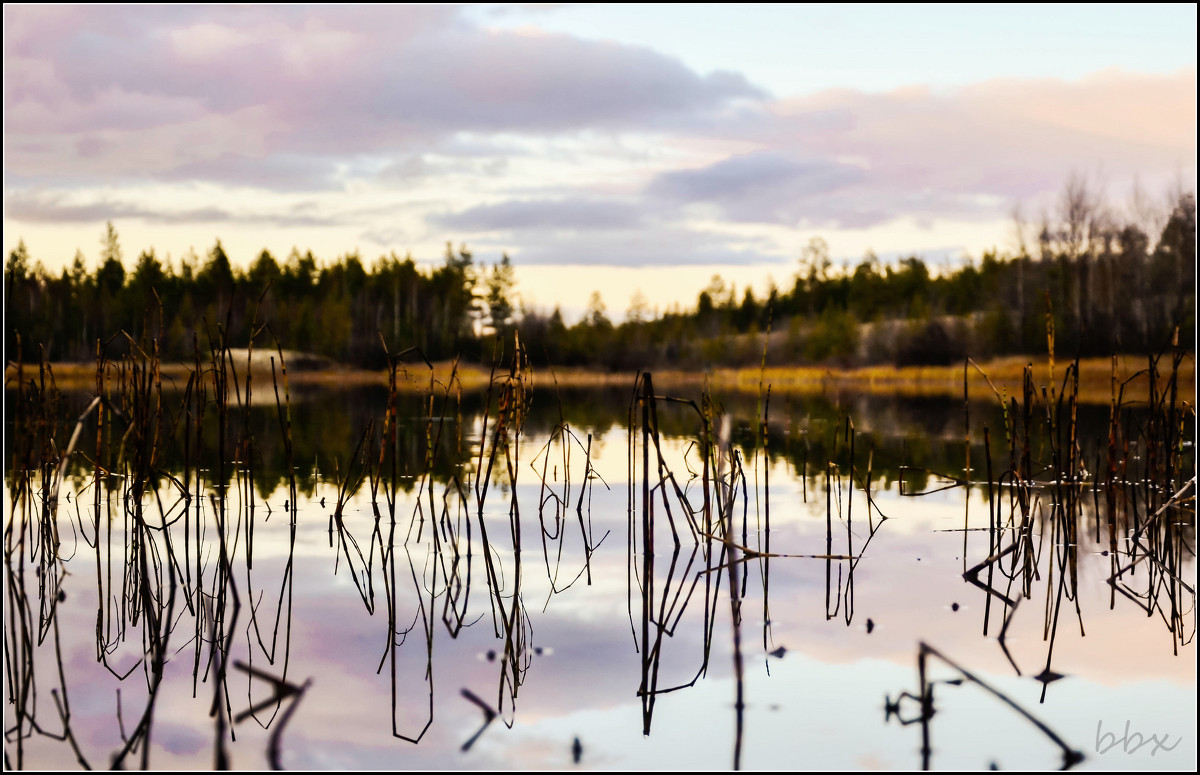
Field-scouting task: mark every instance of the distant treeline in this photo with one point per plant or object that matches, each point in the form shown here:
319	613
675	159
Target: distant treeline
1111	284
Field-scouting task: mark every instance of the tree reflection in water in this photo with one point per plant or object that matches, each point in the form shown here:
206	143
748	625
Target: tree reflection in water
183	516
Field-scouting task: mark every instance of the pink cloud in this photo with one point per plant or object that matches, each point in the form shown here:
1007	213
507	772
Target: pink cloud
315	80
1005	137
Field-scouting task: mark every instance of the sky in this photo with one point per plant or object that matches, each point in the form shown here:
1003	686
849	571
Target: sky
630	150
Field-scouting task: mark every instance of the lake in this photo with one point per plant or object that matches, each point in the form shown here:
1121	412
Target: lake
631	578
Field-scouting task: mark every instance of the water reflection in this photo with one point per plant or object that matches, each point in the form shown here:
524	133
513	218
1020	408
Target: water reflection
195	584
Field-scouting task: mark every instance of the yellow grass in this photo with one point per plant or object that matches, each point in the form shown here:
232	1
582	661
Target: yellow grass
1005	374
1002	376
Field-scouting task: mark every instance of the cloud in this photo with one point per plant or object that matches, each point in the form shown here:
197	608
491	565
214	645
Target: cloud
765	186
409	168
55	208
505	82
52	209
570	214
278	172
1005	139
126	91
385	237
845	159
149	152
666	246
574	230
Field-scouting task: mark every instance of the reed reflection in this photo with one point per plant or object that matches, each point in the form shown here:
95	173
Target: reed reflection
425	494
1141	509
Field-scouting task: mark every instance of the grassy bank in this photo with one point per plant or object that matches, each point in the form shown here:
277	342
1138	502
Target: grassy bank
1097	377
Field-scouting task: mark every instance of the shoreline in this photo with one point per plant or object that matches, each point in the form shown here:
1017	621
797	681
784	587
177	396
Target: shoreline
1096	378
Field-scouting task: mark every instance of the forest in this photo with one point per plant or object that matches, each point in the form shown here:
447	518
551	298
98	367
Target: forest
1105	284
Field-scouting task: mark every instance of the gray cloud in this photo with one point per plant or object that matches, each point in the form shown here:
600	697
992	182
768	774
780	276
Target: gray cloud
52	208
764	187
320	81
409	168
569	214
385	237
280	172
510	82
738	176
666	246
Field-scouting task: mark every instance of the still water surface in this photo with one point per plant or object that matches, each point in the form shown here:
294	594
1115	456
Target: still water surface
407	628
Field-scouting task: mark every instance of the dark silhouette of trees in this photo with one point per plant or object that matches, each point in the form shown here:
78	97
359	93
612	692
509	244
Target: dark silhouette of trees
1114	284
500	286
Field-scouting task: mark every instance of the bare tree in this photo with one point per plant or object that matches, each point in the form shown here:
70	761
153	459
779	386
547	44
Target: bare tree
1077	208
